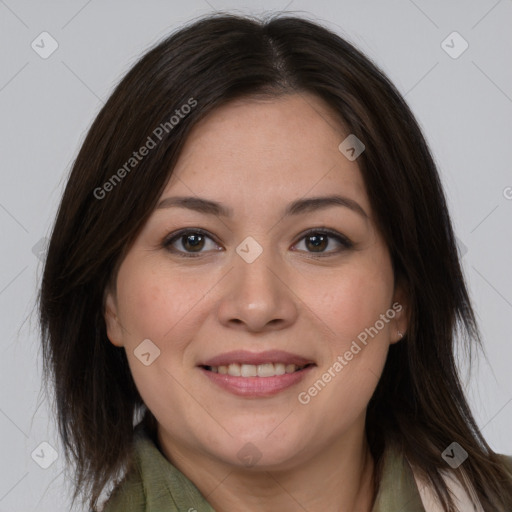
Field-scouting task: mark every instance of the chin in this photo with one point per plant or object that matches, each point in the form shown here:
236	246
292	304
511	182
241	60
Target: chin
261	451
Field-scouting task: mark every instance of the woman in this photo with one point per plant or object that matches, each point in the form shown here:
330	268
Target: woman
253	263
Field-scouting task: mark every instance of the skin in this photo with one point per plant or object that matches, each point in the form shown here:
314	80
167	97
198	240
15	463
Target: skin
256	156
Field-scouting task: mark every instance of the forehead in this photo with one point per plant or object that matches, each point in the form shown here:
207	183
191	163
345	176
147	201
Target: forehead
260	152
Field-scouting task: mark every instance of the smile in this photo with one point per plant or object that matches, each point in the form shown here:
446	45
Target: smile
256	374
253	370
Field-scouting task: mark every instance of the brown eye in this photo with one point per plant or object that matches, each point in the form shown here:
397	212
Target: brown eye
188	243
192	242
318	241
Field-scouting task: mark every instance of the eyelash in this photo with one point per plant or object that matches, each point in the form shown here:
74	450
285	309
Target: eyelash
173	237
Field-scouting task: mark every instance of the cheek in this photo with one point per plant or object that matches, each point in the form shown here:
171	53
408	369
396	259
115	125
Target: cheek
357	338
155	304
354	298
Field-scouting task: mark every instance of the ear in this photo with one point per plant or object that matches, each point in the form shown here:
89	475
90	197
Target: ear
114	329
400	306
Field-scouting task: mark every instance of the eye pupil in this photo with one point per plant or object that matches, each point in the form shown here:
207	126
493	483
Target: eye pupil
318	241
193	241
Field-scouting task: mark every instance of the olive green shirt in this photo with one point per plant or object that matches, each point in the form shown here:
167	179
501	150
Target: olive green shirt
158	486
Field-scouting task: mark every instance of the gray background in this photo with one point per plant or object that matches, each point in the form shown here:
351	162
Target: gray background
464	105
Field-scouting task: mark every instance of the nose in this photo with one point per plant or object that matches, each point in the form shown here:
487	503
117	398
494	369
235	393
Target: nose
258	296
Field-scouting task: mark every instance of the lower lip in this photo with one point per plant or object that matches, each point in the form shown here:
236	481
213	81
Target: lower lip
257	386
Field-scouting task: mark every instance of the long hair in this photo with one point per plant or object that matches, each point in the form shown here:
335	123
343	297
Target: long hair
419	404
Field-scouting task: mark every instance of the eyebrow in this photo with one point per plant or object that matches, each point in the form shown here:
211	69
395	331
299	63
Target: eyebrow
300	206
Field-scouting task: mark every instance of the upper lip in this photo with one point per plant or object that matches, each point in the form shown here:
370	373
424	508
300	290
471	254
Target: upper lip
256	358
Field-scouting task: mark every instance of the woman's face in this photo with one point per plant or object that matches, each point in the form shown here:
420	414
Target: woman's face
272	282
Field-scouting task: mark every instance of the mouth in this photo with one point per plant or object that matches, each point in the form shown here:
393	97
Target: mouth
252	370
261	374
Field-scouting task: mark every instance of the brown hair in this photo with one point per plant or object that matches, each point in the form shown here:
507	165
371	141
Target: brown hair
419	404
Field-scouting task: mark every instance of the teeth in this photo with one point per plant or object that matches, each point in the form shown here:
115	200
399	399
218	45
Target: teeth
234	370
249	370
290	368
269	369
252	370
279	368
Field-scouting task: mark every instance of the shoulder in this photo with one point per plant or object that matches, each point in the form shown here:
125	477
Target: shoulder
154	483
128	495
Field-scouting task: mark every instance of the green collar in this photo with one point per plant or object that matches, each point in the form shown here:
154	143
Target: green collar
158	486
